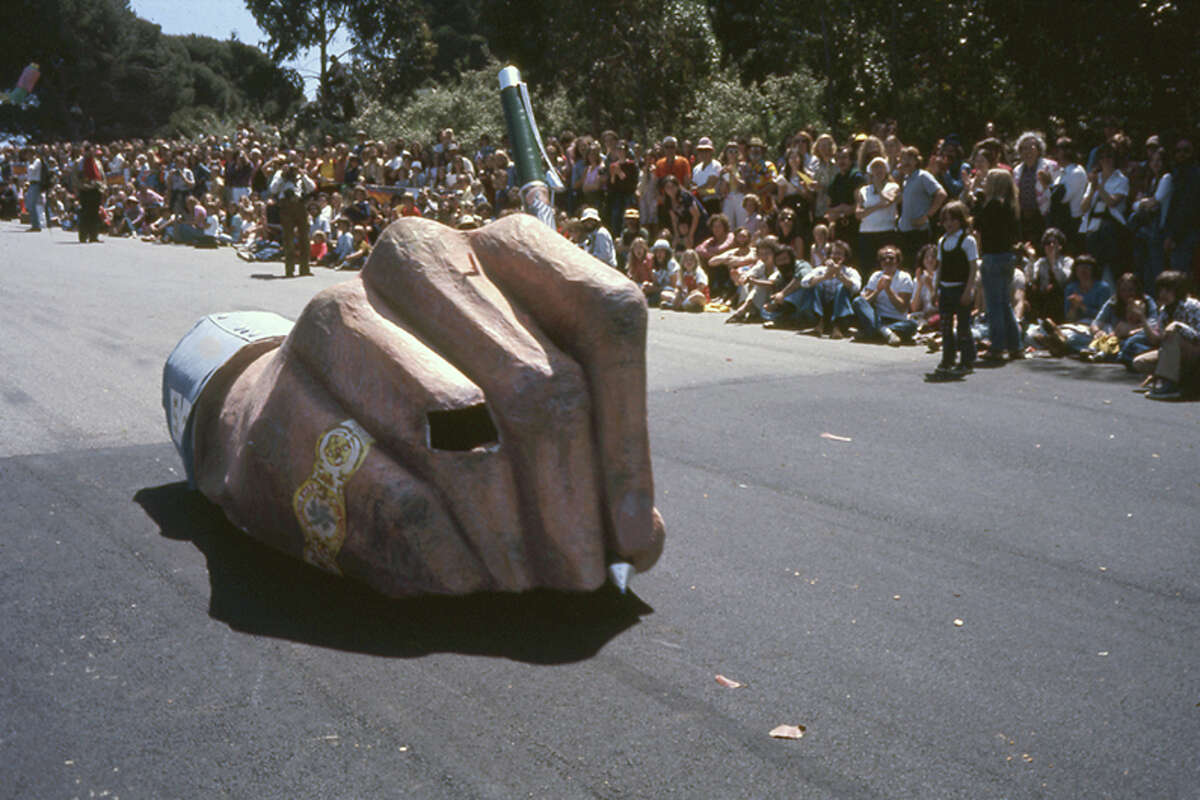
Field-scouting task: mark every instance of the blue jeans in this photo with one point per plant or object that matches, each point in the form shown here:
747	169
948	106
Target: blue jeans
810	306
954	314
1149	257
1104	244
997	275
1185	250
36	207
1133	347
617	203
871	326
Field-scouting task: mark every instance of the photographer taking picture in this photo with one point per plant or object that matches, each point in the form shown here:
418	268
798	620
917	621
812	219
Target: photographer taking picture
291	188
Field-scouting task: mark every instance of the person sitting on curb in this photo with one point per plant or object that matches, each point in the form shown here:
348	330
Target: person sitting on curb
882	307
1084	294
596	238
662	268
1176	331
756	285
825	299
732	262
689	285
780	311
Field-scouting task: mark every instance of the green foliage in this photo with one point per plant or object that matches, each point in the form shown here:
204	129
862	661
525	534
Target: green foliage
107	73
774	108
469	104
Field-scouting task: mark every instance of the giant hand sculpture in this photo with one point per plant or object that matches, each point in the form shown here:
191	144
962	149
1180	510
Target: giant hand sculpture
468	414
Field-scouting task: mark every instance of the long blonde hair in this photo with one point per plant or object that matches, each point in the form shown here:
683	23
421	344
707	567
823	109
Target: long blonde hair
999	186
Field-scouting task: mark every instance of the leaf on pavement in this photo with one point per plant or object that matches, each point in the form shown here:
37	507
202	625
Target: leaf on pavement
788	731
833	437
729	683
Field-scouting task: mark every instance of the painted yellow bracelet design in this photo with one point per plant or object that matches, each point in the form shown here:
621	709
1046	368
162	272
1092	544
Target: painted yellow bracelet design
319	503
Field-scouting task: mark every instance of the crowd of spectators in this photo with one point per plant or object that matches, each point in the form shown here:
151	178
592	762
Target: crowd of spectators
984	252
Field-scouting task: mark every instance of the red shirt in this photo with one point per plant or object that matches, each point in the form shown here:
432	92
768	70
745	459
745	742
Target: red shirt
678	167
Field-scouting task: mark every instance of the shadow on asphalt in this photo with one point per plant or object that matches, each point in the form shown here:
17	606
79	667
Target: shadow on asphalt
258	590
1082	370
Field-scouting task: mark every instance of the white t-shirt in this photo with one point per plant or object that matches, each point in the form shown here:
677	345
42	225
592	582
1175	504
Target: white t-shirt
702	173
1116	185
883	219
902	283
731	207
1074	179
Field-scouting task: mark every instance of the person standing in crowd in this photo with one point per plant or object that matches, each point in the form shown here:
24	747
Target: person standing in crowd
1182	226
876	211
596	238
706	176
824	169
238	173
622	181
91	188
35	179
951	166
958	270
921	199
1066	195
180	182
684	213
1148	218
997	222
291	187
672	163
1034	176
593	181
1104	211
759	173
843	193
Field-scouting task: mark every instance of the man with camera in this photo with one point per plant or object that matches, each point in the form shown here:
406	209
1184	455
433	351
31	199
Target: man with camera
290	187
180	183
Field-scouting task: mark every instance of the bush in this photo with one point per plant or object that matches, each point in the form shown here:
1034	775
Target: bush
470	105
774	109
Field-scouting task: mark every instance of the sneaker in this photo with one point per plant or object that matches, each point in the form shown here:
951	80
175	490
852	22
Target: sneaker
962	369
892	337
943	375
1166	390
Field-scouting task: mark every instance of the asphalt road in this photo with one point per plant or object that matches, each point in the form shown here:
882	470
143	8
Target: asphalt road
151	651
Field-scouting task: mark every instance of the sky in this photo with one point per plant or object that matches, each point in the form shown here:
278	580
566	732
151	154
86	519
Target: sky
219	19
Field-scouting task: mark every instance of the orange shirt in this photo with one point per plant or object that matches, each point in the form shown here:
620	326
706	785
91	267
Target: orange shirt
679	167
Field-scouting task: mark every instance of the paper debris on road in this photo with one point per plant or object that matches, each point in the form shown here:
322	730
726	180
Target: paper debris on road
788	731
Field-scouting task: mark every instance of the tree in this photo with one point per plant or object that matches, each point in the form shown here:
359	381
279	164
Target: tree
293	26
111	74
628	61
